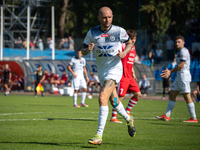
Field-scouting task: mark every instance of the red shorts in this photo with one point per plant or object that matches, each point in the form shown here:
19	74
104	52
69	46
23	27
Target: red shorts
127	85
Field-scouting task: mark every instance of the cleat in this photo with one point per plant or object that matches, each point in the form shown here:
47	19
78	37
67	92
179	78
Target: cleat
76	105
192	120
115	120
163	117
163	98
84	105
96	140
131	128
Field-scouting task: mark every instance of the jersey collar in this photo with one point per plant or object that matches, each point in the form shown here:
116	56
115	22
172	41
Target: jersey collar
106	30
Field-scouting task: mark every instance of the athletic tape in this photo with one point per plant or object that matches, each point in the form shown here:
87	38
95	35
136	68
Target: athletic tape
115	102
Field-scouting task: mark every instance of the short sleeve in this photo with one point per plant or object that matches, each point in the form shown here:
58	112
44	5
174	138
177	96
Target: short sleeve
71	62
88	39
123	36
183	55
84	62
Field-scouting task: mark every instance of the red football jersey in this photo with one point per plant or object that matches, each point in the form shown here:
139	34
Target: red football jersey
56	76
47	76
14	78
128	62
64	77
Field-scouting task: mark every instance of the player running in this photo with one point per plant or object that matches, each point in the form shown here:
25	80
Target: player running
78	81
105	40
181	83
7	79
128	81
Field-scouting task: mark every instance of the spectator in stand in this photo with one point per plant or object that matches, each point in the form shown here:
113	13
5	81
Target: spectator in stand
67	43
49	41
55	80
20	83
159	54
24	44
151	58
196	92
18	42
32	45
195	55
190	51
64	78
62	43
40	45
142	57
144	85
169	48
71	43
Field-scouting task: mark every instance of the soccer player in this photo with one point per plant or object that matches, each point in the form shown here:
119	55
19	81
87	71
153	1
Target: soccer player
181	83
64	78
128	81
55	79
39	78
7	78
105	40
78	81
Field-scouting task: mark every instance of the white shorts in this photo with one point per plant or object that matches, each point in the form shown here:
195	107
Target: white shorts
78	83
182	86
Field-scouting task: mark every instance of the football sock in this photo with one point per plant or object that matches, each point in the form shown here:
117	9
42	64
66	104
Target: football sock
170	107
83	95
132	102
103	114
75	98
114	113
191	109
120	109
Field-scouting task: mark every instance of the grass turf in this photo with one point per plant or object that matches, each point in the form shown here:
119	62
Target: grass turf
52	122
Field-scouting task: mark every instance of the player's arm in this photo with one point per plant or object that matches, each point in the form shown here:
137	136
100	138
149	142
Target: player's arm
133	74
70	69
10	76
85	72
85	49
166	73
128	48
43	77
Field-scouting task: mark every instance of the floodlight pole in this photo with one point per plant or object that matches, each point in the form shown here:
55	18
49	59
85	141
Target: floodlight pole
1	58
28	32
53	31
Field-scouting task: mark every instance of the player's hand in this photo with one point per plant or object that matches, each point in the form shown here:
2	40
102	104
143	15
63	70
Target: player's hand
120	54
134	76
165	73
90	46
87	79
74	75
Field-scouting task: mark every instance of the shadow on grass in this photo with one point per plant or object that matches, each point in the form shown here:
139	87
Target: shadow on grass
76	119
53	144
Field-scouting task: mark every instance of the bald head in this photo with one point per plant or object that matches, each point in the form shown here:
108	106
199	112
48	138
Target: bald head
105	18
104	9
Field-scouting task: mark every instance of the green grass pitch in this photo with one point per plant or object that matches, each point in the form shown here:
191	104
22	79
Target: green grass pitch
52	123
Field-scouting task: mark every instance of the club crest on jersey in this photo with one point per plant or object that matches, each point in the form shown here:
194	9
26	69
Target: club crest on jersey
104	51
112	38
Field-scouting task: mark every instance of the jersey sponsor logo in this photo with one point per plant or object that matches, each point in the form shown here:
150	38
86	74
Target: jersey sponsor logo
104	35
105	50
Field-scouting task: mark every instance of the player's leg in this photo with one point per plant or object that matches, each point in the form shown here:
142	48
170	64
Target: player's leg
83	85
75	86
6	89
36	84
190	104
133	88
163	93
195	95
175	90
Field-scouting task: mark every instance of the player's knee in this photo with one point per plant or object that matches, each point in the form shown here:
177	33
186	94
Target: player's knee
137	95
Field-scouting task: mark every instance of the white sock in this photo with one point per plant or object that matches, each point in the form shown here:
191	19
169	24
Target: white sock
191	109
170	107
120	109
103	114
75	98
83	95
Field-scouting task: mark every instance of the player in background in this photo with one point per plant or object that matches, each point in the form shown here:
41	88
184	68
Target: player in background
105	40
20	83
128	82
7	78
181	83
39	78
78	81
14	80
55	79
166	85
64	78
